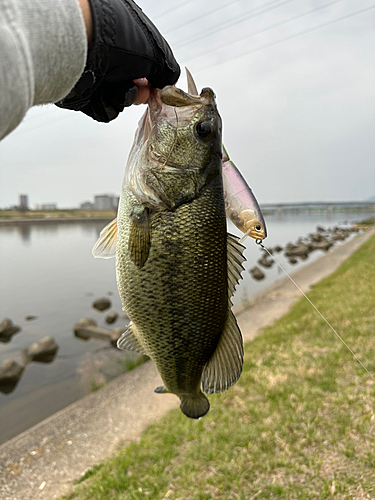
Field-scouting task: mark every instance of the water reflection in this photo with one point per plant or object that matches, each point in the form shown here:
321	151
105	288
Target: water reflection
25	232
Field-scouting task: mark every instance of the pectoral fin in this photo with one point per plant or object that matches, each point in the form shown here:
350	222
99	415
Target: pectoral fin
225	366
235	260
129	340
105	247
139	238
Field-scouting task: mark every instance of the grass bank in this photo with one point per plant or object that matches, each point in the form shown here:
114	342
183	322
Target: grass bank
300	423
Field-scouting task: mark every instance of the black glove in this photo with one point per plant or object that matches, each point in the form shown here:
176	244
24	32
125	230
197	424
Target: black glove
126	45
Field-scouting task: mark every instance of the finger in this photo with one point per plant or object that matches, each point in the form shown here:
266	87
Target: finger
143	92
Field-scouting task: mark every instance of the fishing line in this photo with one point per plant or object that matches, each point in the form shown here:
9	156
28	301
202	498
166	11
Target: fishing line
259	242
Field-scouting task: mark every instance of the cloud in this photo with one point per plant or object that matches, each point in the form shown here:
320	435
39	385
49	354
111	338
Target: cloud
297	115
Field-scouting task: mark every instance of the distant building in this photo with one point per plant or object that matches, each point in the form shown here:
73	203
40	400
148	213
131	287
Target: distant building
106	202
24	202
87	205
47	206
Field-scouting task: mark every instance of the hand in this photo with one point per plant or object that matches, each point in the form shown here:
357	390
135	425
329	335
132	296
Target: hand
143	89
125	47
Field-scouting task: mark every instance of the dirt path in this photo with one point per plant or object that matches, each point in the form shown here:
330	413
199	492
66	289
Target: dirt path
44	461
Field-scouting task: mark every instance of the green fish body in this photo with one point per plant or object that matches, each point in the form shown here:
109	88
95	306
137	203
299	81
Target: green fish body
176	265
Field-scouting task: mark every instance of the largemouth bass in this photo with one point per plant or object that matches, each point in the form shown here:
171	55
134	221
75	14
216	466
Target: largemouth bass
176	265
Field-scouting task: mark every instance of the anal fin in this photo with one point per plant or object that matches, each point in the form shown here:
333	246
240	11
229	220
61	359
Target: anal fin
139	238
225	365
105	247
129	340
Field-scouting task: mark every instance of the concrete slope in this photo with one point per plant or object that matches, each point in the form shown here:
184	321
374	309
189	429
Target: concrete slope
44	461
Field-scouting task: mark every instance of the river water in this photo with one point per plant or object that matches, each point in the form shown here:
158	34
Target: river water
47	271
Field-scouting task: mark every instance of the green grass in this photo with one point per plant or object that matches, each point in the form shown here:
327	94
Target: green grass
300	423
368	222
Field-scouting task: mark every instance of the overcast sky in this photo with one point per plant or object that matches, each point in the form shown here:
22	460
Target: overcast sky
295	85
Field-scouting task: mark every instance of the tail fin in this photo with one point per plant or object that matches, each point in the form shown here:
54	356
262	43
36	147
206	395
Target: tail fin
195	407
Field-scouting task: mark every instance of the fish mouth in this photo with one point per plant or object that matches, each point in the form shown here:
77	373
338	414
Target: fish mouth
175	106
163	104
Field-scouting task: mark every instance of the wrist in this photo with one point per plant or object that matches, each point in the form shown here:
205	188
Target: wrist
87	17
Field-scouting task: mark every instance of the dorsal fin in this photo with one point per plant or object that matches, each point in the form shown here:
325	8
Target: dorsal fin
192	88
235	260
105	247
225	365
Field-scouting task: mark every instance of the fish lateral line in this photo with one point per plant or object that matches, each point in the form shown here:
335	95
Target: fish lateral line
259	242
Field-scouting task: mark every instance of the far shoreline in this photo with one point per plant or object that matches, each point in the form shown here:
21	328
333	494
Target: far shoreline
48	220
20	217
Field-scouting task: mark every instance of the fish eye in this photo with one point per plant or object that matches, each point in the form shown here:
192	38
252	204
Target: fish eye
258	227
203	129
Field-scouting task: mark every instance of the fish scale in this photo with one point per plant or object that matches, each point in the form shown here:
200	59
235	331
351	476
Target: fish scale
179	310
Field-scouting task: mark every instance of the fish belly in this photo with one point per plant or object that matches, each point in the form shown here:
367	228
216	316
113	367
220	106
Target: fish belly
178	301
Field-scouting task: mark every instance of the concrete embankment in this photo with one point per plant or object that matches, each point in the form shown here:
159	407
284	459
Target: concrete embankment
44	461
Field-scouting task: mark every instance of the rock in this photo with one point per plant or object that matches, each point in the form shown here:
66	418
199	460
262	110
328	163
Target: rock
304	256
10	373
7	330
43	351
87	322
298	251
111	317
102	304
290	246
292	260
86	329
256	273
316	237
80	327
30	317
322	245
320	229
278	248
265	262
339	236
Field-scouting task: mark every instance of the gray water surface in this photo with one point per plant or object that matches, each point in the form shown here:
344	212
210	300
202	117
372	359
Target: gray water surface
47	270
